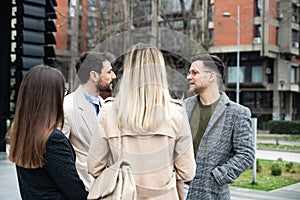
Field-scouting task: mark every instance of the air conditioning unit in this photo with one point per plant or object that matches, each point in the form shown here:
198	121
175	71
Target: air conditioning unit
256	40
296	45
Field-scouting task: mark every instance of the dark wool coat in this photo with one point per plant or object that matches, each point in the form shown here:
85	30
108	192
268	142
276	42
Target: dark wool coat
225	151
58	178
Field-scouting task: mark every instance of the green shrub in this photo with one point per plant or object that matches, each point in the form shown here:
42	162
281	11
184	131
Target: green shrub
258	166
276	170
284	127
288	166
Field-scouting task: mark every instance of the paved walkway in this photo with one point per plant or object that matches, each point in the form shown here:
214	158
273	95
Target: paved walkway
279	141
9	185
275	155
291	192
9	189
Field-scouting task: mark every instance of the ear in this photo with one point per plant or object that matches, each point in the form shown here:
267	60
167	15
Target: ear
94	76
211	77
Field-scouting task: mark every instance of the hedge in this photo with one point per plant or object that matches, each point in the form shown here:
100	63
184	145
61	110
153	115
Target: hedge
284	127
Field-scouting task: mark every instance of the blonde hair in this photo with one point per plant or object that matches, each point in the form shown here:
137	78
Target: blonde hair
143	99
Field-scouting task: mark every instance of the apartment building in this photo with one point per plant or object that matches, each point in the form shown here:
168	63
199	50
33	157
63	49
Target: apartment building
269	54
268	49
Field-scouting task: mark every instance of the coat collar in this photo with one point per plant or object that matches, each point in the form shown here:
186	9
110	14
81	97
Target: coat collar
87	113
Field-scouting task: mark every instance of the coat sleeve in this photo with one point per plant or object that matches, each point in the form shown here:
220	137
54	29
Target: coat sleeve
243	149
60	164
99	150
184	154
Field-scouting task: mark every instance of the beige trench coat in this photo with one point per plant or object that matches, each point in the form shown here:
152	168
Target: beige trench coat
153	156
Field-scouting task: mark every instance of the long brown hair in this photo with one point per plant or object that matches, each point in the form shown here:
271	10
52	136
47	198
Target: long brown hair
39	110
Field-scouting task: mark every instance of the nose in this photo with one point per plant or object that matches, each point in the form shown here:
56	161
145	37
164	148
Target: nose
189	77
113	76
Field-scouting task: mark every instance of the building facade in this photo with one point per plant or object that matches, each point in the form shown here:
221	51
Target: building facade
269	54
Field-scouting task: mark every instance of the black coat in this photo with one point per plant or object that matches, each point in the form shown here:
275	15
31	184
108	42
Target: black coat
58	178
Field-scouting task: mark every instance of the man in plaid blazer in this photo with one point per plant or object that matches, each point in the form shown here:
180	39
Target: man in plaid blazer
222	135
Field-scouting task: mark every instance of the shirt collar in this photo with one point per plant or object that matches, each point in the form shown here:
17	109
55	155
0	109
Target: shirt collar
90	98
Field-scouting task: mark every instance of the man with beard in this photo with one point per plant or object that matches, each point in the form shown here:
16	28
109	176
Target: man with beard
222	135
82	106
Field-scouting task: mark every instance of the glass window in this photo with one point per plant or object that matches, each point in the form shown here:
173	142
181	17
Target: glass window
248	99
258	6
294	74
248	74
91	43
257	99
104	6
295	37
173	6
92	24
92	21
256	76
211	14
232	74
92	5
295	13
257	31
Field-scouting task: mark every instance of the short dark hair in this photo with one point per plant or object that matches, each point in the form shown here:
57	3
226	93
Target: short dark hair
92	61
212	62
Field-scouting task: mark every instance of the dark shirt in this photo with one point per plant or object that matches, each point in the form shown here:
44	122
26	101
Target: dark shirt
202	114
58	178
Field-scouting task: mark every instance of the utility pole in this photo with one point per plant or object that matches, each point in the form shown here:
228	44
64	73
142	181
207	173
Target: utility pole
74	14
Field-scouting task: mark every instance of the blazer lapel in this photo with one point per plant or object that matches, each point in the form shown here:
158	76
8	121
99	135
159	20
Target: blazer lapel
86	112
190	103
214	127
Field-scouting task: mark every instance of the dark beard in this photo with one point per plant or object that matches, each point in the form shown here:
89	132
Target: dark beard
105	89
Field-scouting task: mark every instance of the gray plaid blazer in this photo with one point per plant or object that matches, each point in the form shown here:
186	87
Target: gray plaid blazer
225	151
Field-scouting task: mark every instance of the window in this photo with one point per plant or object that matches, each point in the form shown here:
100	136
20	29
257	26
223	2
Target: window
257	99
232	74
211	14
295	13
104	6
92	24
91	43
172	7
256	76
257	31
68	42
295	37
294	69
92	5
247	74
92	21
258	6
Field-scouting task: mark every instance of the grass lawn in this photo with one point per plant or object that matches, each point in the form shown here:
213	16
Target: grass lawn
279	147
265	181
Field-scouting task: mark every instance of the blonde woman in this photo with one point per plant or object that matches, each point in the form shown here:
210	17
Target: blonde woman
156	137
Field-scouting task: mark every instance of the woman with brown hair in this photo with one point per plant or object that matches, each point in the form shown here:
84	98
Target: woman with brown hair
45	160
